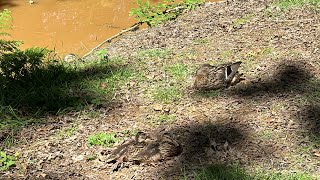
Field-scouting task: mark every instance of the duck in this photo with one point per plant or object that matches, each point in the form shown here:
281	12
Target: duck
222	76
121	153
163	148
146	149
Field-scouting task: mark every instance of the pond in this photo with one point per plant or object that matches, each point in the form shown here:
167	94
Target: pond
68	26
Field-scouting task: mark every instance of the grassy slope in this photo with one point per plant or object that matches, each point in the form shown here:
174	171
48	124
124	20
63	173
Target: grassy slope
267	124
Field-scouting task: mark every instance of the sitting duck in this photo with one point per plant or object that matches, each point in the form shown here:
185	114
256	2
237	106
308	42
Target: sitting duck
145	149
210	77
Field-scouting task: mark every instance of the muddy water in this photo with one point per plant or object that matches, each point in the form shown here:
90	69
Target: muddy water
68	26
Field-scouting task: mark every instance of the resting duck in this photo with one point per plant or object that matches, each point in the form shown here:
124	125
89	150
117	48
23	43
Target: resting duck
144	149
210	77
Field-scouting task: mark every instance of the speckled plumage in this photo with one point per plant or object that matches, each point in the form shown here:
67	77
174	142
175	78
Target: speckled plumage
145	149
210	77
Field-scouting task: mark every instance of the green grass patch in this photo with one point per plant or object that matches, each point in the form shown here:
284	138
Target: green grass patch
33	86
266	134
103	139
155	53
313	88
58	86
91	157
187	54
67	132
267	51
7	161
312	145
102	54
99	91
178	71
164	119
285	4
243	20
128	133
222	172
283	176
225	55
167	95
13	121
201	41
164	11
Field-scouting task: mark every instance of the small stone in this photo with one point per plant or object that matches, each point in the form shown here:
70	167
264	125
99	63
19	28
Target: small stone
132	83
166	110
42	175
151	76
157	107
78	158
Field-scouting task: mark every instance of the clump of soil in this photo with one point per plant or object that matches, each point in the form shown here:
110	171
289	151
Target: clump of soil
266	121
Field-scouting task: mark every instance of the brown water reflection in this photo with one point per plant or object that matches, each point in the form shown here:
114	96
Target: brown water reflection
68	25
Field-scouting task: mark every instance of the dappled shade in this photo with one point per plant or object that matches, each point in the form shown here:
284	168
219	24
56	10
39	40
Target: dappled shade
310	117
216	143
286	77
32	88
55	87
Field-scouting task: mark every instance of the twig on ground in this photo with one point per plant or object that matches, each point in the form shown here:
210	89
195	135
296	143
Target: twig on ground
132	28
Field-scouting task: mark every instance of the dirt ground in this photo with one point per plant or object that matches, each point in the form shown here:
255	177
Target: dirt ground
269	121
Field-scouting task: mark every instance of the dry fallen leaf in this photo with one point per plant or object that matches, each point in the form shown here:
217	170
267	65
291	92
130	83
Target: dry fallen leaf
103	85
132	83
317	153
226	144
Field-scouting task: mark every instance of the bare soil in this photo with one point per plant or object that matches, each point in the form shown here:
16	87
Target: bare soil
270	121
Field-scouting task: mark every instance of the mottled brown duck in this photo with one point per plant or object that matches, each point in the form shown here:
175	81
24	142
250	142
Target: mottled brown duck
144	149
210	77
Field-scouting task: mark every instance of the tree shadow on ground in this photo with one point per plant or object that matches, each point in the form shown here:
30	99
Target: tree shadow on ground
56	88
206	144
309	116
289	79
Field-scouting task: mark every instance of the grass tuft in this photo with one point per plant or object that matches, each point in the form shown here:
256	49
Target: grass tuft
241	21
67	132
167	94
7	161
222	172
201	41
285	4
103	139
164	118
154	53
178	71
